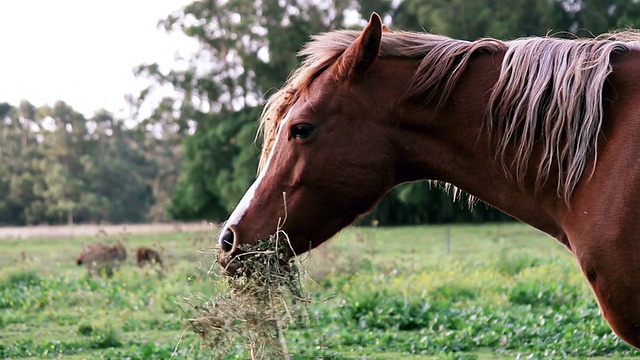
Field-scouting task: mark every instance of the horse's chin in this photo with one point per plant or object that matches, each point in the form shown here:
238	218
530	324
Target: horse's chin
230	264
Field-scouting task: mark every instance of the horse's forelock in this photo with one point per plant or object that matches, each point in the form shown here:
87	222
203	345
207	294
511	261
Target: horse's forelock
272	114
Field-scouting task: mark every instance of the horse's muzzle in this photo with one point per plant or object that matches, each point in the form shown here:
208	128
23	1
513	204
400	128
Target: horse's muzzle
229	262
227	255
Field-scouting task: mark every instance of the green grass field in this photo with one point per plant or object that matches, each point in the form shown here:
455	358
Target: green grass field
430	292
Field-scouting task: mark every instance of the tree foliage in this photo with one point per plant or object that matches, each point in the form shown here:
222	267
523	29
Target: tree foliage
58	166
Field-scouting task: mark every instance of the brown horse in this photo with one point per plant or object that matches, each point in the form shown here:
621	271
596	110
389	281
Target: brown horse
545	129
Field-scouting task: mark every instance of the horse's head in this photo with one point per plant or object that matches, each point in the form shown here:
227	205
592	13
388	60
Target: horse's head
327	158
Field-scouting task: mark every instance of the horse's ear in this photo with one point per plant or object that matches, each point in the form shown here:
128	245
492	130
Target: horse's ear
361	54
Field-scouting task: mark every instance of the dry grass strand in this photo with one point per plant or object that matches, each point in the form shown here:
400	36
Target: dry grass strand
260	302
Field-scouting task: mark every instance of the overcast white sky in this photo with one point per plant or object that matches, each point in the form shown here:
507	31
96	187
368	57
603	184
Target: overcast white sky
82	51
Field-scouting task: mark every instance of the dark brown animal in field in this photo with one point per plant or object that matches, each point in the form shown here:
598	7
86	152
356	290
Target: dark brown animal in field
145	255
118	252
90	252
101	253
98	256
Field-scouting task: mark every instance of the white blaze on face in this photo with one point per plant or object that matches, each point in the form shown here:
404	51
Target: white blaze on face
244	203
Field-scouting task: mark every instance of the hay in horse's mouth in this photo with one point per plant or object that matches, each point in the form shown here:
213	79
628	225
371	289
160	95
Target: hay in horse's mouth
246	259
263	297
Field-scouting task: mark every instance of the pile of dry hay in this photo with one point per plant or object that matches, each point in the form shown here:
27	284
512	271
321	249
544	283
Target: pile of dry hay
259	303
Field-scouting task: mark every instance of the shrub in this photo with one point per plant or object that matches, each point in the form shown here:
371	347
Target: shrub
85	329
22	278
545	294
105	337
454	292
512	264
386	310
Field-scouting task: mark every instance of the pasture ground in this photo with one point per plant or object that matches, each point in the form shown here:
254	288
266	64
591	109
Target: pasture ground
492	292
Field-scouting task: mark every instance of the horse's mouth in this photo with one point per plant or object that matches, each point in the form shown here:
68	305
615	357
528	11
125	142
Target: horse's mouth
230	263
244	263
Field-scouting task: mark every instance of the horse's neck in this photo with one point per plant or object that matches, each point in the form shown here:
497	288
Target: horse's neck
453	145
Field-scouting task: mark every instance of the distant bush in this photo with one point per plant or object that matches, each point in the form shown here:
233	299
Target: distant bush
21	278
85	329
454	292
512	264
383	310
545	294
105	337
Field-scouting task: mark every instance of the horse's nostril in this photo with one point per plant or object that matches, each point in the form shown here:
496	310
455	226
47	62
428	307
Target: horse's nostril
227	240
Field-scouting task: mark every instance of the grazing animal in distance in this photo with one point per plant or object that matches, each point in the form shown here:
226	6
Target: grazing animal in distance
542	128
145	255
118	252
98	257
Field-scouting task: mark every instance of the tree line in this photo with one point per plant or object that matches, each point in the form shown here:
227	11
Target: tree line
194	156
57	166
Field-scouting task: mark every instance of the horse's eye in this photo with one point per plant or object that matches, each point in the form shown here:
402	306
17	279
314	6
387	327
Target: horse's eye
301	131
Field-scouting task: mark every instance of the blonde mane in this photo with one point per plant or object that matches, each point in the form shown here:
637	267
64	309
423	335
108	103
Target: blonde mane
549	91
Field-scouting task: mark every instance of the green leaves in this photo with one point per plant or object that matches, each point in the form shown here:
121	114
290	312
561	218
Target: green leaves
59	167
220	163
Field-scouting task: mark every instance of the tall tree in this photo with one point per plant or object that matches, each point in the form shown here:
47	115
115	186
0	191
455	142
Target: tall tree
56	166
220	165
65	143
21	161
118	175
506	19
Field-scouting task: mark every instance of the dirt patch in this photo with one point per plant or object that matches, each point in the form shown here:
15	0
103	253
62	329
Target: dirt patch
70	231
